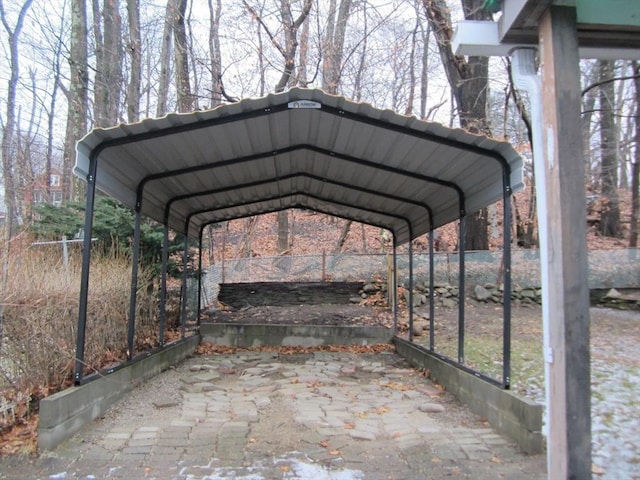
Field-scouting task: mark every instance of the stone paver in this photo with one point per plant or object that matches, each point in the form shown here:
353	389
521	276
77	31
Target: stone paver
258	416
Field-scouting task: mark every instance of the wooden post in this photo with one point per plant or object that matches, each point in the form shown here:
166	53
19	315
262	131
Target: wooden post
567	329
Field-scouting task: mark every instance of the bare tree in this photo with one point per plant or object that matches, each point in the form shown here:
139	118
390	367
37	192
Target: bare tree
134	48
468	80
288	45
635	166
77	94
8	134
287	48
215	52
9	130
181	58
109	56
610	213
165	60
333	44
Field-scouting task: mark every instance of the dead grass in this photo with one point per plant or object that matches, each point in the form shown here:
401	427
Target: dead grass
40	324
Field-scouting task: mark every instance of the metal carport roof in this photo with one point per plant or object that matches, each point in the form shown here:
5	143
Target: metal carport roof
301	148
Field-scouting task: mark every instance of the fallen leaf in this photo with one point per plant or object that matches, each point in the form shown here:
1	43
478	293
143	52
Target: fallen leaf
324	444
334	452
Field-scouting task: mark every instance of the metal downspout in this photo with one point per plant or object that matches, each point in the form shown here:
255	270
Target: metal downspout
86	264
525	77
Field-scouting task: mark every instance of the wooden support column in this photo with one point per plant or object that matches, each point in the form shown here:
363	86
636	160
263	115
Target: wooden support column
567	328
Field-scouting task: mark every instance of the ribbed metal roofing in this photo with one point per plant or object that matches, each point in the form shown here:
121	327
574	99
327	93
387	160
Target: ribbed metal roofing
301	148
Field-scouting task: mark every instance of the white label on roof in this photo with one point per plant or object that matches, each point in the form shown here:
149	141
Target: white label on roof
304	104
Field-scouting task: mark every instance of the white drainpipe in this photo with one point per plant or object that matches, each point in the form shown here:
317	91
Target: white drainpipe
524	70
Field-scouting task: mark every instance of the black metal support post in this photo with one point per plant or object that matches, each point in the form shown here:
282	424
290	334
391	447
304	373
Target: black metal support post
394	285
461	295
131	324
431	288
183	299
410	286
86	264
506	313
199	276
163	283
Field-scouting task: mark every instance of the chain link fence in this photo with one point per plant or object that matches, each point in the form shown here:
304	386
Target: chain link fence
607	269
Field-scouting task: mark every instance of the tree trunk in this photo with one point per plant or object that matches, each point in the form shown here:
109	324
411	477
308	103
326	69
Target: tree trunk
215	52
287	49
468	80
283	231
333	45
108	78
635	166
343	237
610	213
181	58
135	52
588	103
8	143
78	94
165	60
9	130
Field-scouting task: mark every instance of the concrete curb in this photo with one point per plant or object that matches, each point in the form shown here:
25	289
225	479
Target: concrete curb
64	413
241	335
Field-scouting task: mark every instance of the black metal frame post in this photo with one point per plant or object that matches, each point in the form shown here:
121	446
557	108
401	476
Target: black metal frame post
410	284
131	323
506	312
431	287
86	265
163	284
394	285
199	276
183	299
461	286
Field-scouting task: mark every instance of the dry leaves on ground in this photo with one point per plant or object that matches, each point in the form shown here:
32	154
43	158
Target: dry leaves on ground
212	349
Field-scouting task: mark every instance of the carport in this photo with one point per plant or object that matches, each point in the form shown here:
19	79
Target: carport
299	149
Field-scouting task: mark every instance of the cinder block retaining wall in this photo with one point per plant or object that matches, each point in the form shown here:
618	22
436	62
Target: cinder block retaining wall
64	413
517	417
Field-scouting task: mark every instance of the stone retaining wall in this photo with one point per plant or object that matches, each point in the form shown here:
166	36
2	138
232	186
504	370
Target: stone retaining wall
242	295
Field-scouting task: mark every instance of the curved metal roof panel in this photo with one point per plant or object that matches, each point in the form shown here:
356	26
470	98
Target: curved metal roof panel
301	148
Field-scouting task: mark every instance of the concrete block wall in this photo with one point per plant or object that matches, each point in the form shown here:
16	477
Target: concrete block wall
64	413
239	335
516	417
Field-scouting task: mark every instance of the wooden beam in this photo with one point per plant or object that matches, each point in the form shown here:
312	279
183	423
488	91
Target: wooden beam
567	328
520	15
